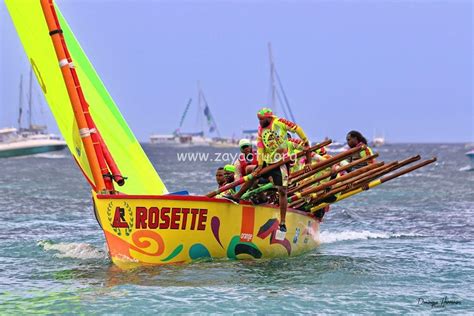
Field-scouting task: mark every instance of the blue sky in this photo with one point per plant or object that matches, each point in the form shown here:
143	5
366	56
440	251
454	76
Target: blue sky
402	68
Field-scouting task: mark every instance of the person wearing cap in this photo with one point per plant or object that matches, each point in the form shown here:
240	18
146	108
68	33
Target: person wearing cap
220	178
247	160
229	174
272	147
224	176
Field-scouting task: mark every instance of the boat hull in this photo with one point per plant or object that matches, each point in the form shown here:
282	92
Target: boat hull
470	155
29	150
157	230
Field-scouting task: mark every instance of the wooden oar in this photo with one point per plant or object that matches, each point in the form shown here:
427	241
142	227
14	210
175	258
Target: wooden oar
376	173
341	182
384	172
318	166
266	169
328	174
299	195
375	183
351	184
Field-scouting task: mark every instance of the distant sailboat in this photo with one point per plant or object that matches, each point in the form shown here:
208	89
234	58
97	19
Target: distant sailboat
377	141
30	140
171	139
198	138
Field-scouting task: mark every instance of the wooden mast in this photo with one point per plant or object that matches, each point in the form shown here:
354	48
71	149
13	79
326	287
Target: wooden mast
67	72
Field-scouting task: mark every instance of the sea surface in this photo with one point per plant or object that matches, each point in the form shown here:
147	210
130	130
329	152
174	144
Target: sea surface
404	247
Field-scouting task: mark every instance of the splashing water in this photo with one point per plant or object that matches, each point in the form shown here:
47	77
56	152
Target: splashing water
331	237
73	250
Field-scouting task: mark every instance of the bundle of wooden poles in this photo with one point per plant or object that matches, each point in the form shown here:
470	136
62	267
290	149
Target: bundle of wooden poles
329	181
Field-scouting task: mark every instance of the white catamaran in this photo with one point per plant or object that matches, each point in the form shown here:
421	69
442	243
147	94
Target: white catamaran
31	140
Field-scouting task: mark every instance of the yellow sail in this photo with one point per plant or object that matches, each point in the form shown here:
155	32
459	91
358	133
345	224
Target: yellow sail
29	21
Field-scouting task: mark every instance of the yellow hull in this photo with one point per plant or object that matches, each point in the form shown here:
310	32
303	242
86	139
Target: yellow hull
168	229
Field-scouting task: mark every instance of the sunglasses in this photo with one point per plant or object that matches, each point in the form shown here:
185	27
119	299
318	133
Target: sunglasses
245	146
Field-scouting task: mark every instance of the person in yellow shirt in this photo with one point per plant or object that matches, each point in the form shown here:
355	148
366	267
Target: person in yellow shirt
354	139
272	147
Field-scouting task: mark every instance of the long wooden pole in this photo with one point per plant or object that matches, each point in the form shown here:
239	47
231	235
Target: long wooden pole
315	192
299	195
301	174
84	130
380	173
375	183
266	169
304	184
352	183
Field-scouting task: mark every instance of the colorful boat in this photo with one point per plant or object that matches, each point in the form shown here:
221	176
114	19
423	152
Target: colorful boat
142	222
166	229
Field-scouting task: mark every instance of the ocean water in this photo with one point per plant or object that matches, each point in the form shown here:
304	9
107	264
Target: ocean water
404	247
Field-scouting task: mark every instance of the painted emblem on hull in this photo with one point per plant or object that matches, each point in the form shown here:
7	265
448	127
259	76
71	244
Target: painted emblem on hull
117	216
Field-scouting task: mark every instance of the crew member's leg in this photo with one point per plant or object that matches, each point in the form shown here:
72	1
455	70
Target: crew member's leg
280	180
282	192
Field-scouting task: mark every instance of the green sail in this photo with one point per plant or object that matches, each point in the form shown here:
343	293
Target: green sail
29	21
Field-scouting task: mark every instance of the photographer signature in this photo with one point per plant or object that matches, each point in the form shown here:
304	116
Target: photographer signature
439	304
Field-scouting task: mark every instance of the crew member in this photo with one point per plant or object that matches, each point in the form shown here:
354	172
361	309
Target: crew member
272	147
354	139
247	160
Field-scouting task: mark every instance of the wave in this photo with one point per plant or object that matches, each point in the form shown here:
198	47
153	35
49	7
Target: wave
73	250
467	168
329	237
51	156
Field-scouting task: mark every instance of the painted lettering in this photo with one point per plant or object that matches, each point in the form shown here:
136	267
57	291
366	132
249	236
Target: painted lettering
194	212
153	219
175	218
166	218
141	213
185	212
202	219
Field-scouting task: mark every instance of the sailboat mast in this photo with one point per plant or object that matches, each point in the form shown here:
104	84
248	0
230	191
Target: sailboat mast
274	75
20	105
200	122
210	119
285	98
93	151
272	78
184	114
30	99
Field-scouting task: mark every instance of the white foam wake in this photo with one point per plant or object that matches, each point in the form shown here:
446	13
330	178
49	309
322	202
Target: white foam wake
73	250
51	156
467	168
329	237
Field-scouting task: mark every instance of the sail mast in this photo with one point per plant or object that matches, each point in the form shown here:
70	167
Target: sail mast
183	116
92	150
20	109
210	119
274	75
30	99
272	78
284	96
199	121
